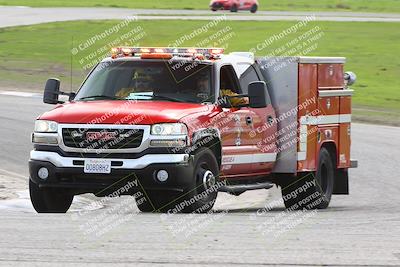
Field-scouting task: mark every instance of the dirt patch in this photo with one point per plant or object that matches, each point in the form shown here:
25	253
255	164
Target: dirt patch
10	185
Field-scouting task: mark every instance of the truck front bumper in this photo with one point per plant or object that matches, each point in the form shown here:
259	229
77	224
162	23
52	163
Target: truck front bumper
67	172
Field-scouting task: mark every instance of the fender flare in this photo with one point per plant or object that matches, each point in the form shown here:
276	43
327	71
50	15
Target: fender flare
212	135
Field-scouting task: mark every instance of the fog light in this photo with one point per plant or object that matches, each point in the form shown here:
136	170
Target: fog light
43	173
162	175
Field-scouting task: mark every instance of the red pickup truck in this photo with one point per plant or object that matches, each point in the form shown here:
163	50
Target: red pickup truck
179	125
234	5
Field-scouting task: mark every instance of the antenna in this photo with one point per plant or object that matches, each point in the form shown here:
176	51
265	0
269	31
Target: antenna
72	46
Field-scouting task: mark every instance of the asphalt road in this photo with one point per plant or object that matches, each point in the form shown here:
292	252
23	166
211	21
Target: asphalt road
357	230
15	16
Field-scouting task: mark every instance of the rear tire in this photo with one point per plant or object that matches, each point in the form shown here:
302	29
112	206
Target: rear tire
253	8
311	190
50	200
234	8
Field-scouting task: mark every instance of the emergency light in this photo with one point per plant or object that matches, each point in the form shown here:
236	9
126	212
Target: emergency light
167	52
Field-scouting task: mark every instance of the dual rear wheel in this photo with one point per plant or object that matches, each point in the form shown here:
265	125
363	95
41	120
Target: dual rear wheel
311	190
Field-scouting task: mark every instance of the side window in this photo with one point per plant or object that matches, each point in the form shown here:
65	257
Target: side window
250	75
228	80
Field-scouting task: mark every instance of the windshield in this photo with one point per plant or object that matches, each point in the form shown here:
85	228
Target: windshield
139	80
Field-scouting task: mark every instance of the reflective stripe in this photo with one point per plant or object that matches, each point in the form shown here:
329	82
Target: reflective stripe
327	93
301	155
248	158
325	119
316	120
344	118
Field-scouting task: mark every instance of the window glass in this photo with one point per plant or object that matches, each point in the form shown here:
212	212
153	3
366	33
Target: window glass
227	79
250	75
140	80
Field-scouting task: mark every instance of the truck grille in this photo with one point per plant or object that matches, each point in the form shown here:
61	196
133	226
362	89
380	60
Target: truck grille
102	138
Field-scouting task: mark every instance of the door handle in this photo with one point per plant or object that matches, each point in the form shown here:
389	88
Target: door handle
270	120
249	120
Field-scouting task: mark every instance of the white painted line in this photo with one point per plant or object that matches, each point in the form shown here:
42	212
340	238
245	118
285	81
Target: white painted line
21	94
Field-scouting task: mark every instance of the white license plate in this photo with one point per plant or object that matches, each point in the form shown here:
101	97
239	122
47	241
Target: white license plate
97	166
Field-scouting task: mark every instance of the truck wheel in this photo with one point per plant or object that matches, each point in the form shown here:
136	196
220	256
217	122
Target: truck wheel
201	197
311	191
234	8
253	8
49	200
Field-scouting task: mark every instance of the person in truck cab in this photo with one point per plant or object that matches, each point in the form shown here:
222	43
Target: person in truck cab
203	91
141	82
225	91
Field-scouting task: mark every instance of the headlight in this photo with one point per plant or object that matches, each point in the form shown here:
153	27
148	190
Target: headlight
169	129
42	126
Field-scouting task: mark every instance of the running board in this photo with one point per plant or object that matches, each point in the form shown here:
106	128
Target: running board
240	188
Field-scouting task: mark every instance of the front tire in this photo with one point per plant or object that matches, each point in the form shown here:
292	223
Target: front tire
253	8
311	190
203	194
50	200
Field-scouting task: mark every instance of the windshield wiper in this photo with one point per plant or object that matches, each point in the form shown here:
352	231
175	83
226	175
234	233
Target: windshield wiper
101	97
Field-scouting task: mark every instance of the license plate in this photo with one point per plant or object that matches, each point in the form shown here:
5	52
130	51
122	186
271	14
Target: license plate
97	166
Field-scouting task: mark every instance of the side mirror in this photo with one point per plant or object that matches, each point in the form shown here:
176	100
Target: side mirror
51	91
258	94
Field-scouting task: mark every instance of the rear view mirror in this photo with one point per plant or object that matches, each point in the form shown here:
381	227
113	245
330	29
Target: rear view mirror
51	91
258	94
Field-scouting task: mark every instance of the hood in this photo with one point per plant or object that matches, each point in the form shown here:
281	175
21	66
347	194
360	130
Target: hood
122	112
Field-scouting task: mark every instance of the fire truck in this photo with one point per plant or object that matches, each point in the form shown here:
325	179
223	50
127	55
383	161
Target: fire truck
179	125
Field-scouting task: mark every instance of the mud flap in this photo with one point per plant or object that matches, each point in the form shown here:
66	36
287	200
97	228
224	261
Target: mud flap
341	184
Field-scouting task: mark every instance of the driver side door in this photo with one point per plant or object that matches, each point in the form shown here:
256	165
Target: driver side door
237	147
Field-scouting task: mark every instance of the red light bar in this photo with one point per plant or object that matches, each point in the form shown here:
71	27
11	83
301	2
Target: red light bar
198	53
156	56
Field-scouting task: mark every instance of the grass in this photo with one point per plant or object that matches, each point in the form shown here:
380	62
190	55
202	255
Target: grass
389	6
33	53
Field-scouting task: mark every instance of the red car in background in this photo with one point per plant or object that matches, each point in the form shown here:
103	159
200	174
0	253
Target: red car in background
234	5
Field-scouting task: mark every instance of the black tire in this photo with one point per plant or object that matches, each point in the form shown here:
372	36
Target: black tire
50	200
311	190
204	191
205	166
253	8
234	8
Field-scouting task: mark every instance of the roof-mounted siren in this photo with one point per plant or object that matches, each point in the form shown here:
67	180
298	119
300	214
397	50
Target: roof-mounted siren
349	78
243	54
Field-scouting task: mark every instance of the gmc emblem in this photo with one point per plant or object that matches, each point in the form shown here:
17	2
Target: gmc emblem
103	136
